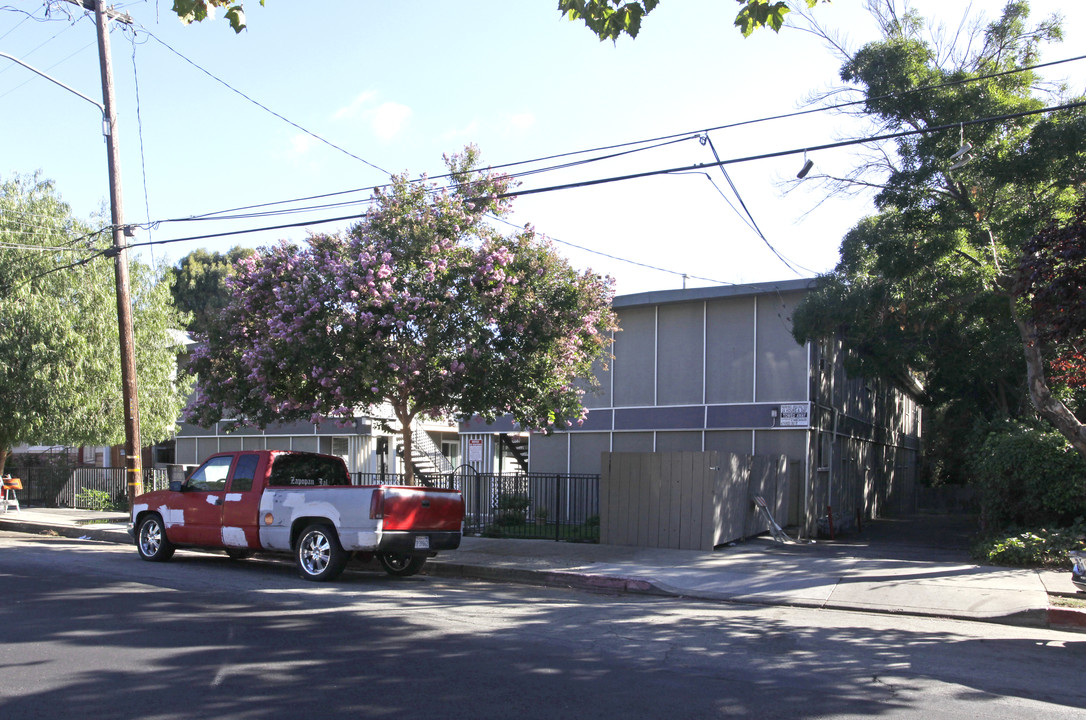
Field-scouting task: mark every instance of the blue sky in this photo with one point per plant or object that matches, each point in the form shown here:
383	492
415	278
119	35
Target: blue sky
396	85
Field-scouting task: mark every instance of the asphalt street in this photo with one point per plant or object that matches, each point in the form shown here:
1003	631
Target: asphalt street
87	629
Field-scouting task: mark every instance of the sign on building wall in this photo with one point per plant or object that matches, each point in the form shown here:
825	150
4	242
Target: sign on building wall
796	415
475	450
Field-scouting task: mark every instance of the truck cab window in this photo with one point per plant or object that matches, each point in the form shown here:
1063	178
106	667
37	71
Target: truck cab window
211	476
244	472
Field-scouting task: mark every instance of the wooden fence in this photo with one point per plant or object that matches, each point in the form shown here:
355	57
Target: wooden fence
688	500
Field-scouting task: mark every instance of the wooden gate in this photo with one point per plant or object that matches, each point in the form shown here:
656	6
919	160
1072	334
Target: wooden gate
688	500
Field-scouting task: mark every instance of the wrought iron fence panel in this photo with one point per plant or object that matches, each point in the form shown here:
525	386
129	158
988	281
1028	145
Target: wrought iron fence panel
523	505
82	487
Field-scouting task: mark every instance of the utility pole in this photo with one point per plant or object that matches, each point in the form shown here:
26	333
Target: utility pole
132	447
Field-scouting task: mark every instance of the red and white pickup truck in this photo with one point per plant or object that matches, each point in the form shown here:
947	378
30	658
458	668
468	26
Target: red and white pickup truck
301	503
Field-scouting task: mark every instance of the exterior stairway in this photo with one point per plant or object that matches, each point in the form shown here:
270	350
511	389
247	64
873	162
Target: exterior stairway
515	448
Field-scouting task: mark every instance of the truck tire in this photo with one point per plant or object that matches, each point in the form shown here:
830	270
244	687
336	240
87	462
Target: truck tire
318	554
400	565
151	540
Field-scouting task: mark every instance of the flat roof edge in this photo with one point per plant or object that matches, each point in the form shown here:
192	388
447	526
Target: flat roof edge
660	297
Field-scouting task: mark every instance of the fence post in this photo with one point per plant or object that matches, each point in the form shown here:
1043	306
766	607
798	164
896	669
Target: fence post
557	508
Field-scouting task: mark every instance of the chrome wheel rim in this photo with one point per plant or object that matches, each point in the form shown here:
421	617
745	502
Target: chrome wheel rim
316	553
150	537
397	562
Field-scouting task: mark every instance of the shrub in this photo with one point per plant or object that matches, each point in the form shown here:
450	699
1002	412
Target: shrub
1028	476
512	509
97	500
1034	548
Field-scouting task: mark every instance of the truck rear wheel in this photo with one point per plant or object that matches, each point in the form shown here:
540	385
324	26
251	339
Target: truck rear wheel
318	553
151	540
400	565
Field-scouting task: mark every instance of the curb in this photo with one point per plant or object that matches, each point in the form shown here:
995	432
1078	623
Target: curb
1062	618
79	532
547	578
1054	617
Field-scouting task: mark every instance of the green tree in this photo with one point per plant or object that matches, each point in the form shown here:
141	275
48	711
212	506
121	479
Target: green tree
606	18
199	10
198	284
925	291
59	352
423	307
609	19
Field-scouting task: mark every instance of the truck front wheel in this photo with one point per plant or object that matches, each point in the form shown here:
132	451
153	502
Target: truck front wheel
318	554
151	540
399	565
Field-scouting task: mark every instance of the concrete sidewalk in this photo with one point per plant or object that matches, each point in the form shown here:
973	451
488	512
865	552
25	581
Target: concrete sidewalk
915	566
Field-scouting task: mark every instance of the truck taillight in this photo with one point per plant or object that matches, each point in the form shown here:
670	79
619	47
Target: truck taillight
377	504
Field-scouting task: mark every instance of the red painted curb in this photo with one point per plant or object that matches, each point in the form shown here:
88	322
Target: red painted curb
1066	617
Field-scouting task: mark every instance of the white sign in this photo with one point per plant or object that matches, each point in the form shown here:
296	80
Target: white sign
798	415
475	450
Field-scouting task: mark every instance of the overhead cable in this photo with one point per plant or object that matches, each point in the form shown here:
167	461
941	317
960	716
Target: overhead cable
794	151
675	136
263	106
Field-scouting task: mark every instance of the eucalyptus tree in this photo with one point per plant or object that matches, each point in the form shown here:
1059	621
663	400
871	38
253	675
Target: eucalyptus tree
60	377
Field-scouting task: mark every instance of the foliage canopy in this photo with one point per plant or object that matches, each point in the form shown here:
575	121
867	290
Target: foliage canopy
925	291
423	307
60	378
608	19
198	284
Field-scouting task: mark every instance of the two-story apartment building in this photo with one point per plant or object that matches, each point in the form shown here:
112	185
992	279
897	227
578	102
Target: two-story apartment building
718	369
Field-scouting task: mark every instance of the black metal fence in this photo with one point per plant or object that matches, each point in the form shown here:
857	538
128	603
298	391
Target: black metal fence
524	505
85	488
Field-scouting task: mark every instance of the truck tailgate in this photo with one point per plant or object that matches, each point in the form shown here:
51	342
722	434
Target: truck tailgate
420	509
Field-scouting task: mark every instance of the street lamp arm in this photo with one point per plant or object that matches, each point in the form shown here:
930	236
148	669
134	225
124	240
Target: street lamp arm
31	68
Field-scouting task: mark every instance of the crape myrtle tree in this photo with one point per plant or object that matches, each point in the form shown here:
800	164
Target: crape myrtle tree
926	292
60	369
423	307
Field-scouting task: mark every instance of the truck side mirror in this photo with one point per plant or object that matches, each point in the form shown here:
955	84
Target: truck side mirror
175	485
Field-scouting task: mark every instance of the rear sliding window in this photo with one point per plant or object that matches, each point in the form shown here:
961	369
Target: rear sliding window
307	471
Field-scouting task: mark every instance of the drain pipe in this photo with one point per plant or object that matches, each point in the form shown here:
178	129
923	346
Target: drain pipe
829	477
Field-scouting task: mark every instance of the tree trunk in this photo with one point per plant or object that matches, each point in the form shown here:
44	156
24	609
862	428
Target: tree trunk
4	453
1051	409
405	434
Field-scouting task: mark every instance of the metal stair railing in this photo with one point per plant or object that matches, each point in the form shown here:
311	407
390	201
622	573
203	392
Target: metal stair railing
423	446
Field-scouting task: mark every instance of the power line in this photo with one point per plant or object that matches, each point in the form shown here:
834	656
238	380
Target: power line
798	113
753	222
662	140
614	257
676	137
263	106
794	151
668	171
306	223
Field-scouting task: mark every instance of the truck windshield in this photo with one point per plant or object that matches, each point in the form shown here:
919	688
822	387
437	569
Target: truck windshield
299	470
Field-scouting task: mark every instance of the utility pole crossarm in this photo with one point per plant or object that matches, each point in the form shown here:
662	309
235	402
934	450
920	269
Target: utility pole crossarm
110	13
